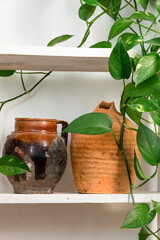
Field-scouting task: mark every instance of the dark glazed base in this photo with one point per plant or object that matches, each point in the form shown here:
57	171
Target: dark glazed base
33	191
44	173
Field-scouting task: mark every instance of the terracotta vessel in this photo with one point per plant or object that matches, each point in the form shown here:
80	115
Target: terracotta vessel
36	142
97	163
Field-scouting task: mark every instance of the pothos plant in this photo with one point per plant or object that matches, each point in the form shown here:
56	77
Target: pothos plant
140	94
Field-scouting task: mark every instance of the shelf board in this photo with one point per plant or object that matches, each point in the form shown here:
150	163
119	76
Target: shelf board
12	198
54	59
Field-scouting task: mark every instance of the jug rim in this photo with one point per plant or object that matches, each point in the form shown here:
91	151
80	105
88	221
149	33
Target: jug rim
36	119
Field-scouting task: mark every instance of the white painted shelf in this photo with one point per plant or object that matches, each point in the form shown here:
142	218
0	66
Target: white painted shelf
12	198
54	59
34	58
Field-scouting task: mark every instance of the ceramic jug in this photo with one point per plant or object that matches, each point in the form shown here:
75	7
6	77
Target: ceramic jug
37	143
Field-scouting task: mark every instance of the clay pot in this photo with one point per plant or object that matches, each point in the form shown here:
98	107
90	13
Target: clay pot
97	163
36	142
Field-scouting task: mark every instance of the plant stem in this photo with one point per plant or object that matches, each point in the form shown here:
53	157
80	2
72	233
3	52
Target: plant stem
88	29
130	4
124	84
135	4
157	230
125	6
146	120
147	28
115	6
31	72
128	173
115	139
26	92
134	129
124	157
22	81
150	26
155	128
152	232
106	9
129	178
141	43
153	175
148	48
132	77
140	31
122	130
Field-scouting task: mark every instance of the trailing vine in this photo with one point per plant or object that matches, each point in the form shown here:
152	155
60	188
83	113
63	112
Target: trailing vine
139	96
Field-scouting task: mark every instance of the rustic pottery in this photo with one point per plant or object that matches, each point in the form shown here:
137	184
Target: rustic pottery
97	163
36	142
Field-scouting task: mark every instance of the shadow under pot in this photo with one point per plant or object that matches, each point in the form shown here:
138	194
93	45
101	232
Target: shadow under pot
37	143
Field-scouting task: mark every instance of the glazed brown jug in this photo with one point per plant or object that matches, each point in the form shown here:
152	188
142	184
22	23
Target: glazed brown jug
97	163
37	143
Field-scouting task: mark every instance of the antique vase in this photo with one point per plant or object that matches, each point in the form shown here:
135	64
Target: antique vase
37	143
97	163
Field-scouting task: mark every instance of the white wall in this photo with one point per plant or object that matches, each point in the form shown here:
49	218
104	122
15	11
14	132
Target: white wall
62	96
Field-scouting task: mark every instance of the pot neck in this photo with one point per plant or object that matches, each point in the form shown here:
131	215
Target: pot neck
107	106
35	125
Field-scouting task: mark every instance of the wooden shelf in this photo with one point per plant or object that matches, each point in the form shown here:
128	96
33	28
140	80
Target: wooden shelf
54	59
12	198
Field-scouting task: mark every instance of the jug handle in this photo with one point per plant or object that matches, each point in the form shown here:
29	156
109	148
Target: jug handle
64	135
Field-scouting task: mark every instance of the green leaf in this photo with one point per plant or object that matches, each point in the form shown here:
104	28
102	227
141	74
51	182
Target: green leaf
138	170
59	39
86	11
140	1
6	73
125	97
139	216
134	115
141	104
155	48
103	44
149	145
147	67
155	99
130	40
119	62
119	27
12	165
155	115
154	41
144	4
143	16
135	61
92	2
143	234
158	6
156	206
111	7
145	88
91	124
